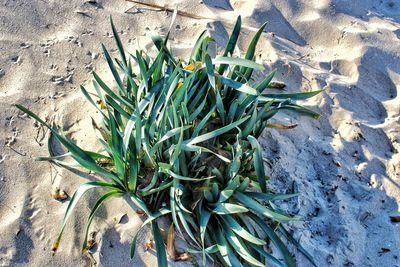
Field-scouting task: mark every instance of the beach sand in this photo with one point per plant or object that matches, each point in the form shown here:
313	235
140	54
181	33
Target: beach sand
346	165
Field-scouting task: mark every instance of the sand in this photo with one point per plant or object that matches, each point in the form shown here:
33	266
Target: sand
346	165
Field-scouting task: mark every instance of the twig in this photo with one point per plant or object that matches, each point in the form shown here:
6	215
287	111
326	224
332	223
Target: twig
163	8
19	153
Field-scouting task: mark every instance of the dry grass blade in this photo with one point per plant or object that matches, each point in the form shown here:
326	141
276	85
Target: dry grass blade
171	242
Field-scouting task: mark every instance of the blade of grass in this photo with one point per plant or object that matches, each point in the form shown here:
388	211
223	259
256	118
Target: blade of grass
254	205
258	162
93	213
74	200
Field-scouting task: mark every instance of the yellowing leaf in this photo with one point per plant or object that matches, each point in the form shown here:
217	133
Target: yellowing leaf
193	66
101	103
179	85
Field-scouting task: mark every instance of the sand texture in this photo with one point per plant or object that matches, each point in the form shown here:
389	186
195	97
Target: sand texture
346	165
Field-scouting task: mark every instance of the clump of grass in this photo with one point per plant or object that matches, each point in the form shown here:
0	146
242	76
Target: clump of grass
179	140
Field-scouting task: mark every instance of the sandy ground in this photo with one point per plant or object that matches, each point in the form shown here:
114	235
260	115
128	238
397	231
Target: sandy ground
346	165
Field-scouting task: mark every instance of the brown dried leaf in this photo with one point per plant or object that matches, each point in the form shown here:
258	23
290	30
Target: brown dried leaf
149	245
395	219
184	257
171	243
140	212
276	85
58	194
281	126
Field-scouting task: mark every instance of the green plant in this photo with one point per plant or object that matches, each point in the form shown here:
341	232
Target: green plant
186	135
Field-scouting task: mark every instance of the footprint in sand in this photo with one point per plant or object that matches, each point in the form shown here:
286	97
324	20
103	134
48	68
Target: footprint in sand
391	8
25	45
35	213
16	60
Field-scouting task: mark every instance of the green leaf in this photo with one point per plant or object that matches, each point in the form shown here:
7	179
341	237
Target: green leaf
151	219
93	212
133	244
119	43
230	47
210	70
198	110
292	96
168	135
232	110
128	131
254	205
166	168
301	110
271	259
258	162
226	252
290	238
77	153
160	247
117	107
74	200
238	246
223	247
177	149
214	133
110	92
242	232
86	94
250	52
238	86
113	70
204	219
134	169
251	123
196	51
229	208
164	185
143	70
140	203
138	133
203	122
156	215
264	84
238	62
275	240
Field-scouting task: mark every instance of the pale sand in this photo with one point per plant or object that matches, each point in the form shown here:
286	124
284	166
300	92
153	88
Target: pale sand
346	165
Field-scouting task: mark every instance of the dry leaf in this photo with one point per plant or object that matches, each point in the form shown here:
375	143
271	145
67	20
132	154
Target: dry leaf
140	212
281	126
276	85
101	104
149	245
58	194
170	242
184	257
